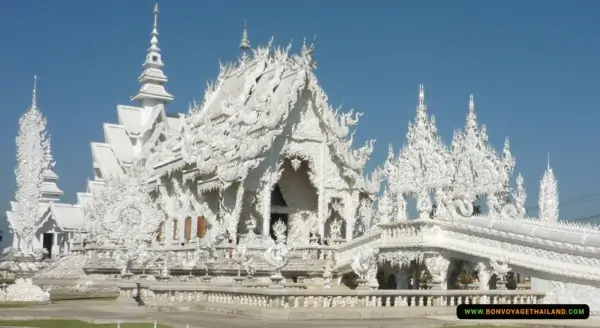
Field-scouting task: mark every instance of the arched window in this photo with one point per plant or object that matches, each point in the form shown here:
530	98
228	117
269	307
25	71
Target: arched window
187	232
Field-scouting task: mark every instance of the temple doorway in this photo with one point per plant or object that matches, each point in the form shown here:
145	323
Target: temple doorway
278	210
47	241
278	217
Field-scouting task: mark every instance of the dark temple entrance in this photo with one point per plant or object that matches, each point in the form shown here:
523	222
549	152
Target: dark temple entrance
47	241
277	201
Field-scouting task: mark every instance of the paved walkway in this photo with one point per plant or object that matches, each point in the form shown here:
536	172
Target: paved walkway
105	312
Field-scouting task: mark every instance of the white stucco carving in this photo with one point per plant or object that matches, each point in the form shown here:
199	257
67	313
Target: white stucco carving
23	290
363	261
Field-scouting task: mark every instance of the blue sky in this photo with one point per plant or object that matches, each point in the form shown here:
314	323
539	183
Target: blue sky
532	65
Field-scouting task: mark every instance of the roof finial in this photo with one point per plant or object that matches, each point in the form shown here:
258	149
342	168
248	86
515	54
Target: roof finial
471	104
421	108
245	43
548	162
421	96
154	34
34	93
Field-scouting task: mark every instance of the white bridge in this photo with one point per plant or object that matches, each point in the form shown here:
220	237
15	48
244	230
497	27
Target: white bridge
562	258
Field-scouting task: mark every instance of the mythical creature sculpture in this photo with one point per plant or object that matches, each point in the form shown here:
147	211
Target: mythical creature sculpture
251	225
500	266
363	261
385	208
188	264
144	258
214	236
484	273
437	265
133	251
278	254
335	231
165	272
245	260
279	230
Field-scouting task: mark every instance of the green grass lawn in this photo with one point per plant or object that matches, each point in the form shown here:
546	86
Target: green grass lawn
10	305
82	296
73	324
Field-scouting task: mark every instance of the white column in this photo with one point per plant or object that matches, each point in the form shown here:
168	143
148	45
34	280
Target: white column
350	207
322	215
181	230
68	239
55	248
194	219
266	223
322	201
168	231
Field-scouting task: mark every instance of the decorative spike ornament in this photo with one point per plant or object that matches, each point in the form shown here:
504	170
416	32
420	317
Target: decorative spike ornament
520	196
304	47
548	202
423	164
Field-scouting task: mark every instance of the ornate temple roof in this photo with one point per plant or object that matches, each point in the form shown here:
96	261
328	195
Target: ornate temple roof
250	105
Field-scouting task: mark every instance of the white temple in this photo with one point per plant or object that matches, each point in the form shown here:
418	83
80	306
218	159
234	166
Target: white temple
296	164
265	157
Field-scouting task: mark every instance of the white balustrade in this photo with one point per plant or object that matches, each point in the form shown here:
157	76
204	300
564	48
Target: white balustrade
184	294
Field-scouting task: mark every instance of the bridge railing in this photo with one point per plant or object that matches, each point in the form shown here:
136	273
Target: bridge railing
189	294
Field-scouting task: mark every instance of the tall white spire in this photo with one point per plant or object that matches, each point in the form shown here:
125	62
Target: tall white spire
152	91
548	202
